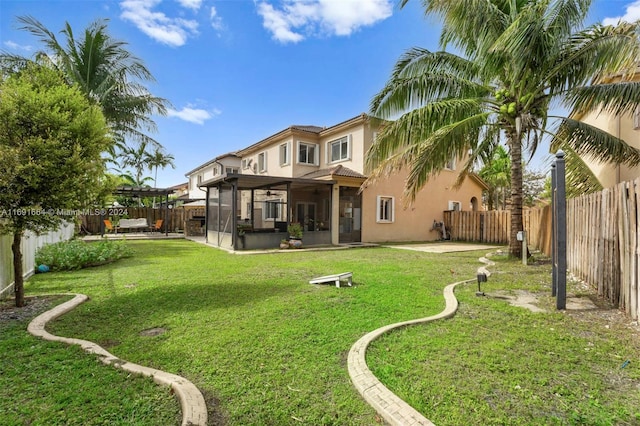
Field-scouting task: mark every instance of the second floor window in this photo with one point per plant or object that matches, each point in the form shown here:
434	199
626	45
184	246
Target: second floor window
307	153
262	162
284	154
339	150
231	170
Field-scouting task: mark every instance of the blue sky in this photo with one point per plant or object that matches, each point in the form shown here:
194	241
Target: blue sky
237	71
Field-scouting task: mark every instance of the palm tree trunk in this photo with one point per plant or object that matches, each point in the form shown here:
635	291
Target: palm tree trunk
17	268
515	247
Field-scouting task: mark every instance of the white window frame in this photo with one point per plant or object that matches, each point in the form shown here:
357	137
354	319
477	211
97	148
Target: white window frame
245	163
278	212
636	119
455	206
199	179
231	170
286	147
379	210
345	139
316	159
262	162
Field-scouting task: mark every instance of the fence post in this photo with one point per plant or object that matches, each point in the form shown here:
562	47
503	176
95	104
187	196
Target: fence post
554	248
560	234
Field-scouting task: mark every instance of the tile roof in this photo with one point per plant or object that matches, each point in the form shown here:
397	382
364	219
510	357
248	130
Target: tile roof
338	170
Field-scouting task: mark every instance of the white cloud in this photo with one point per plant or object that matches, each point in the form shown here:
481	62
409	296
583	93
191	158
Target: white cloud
157	25
194	115
191	4
632	14
297	19
11	45
216	21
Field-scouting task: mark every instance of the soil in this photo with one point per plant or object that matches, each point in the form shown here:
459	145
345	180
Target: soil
34	306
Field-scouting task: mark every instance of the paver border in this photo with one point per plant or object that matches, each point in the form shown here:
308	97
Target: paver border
387	404
194	408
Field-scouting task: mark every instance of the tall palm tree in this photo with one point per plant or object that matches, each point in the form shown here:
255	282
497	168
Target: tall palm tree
107	73
162	159
137	158
517	59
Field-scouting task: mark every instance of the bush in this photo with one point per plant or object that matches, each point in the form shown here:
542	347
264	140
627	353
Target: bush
77	254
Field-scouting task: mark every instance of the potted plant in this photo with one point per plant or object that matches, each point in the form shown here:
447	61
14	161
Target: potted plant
295	235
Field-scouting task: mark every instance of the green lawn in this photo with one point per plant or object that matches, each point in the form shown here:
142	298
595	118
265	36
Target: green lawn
267	348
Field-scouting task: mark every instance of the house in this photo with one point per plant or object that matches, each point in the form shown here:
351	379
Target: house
313	175
625	127
224	164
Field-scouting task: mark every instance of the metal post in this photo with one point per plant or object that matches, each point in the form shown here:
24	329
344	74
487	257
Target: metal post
561	207
554	237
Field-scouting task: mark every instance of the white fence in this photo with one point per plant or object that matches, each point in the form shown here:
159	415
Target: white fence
30	243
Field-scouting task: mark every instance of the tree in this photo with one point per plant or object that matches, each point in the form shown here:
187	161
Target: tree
159	158
104	70
517	59
51	140
496	174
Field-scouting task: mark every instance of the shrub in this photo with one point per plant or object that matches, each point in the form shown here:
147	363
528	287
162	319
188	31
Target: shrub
77	254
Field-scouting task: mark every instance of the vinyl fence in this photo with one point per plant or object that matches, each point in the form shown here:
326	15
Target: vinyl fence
30	243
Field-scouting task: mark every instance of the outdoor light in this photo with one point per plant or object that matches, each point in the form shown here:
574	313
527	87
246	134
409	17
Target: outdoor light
482	278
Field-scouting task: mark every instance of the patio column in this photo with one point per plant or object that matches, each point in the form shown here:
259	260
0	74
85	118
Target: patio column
234	215
335	214
166	215
206	217
288	218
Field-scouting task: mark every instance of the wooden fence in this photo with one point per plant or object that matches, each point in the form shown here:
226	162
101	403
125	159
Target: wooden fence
494	226
92	224
30	244
603	239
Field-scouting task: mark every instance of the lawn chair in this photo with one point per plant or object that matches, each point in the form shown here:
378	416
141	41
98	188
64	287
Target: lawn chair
108	226
156	226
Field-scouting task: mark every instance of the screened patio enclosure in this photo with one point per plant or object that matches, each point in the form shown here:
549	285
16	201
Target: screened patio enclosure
245	212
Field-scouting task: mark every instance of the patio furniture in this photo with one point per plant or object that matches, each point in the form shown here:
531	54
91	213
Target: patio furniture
156	226
108	225
140	223
336	278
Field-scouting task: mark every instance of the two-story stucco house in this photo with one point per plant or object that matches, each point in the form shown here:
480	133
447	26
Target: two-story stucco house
313	175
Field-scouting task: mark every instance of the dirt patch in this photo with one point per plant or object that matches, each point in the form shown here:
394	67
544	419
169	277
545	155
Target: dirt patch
153	331
34	305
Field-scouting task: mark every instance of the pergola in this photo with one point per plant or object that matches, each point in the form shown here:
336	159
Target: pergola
143	191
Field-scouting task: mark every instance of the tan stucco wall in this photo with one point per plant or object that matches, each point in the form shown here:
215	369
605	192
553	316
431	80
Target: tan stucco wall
414	222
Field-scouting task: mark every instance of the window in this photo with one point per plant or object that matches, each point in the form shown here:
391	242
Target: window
385	209
246	163
284	154
339	150
451	165
231	170
272	209
636	119
455	205
262	162
307	153
199	179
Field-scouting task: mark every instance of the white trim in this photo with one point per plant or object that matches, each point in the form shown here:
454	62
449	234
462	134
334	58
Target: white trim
262	168
287	159
316	159
329	149
392	213
455	205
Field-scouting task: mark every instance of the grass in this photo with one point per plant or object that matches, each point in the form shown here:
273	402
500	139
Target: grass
267	348
45	383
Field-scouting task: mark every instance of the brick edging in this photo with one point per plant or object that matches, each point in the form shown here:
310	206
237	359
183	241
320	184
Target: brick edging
194	408
387	404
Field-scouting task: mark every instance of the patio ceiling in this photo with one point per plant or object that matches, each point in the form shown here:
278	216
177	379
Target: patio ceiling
142	191
245	182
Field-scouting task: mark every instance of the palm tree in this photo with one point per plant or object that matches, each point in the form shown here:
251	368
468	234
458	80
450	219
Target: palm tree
159	158
107	73
136	158
496	174
518	58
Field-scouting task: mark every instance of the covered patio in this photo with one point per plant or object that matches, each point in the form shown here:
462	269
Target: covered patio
245	212
138	192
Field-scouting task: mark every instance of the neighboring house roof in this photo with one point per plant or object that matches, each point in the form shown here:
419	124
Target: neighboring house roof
218	158
179	186
312	129
338	170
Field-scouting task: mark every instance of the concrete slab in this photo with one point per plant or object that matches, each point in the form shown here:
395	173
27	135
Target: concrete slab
444	247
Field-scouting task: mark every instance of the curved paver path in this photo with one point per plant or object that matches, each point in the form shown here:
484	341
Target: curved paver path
194	408
393	409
